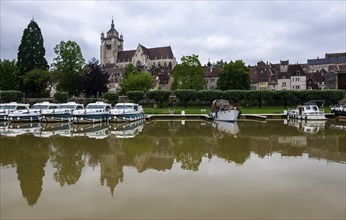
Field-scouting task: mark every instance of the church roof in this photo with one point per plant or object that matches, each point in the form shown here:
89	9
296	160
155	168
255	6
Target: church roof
153	53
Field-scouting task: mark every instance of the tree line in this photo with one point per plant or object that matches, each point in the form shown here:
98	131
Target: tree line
68	72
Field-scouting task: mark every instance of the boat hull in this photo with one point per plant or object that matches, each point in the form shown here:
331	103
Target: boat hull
230	115
25	118
90	118
59	117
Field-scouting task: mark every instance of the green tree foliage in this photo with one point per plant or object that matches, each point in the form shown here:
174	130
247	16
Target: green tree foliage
234	76
31	51
135	96
35	83
189	74
235	96
68	64
129	70
220	63
209	95
159	95
10	96
186	95
110	97
9	75
142	81
95	79
61	97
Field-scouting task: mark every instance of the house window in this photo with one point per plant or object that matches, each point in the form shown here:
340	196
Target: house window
108	46
284	84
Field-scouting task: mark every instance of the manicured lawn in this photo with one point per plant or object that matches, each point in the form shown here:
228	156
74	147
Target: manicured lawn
199	110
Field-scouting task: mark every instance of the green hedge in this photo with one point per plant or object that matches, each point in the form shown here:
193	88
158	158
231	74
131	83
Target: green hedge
61	97
10	96
110	97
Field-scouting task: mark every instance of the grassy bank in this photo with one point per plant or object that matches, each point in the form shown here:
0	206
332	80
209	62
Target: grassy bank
206	110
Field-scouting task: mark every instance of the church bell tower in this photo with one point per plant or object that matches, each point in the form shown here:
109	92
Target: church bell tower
111	45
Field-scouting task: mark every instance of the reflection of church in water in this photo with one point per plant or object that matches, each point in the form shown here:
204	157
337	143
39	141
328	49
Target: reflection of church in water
160	61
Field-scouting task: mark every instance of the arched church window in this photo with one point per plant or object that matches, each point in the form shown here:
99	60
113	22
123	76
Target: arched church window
165	64
159	64
170	65
138	63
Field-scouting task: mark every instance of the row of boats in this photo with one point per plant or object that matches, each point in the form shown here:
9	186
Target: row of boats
71	112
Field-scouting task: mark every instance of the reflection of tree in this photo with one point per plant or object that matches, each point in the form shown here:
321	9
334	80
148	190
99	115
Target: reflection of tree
31	161
8	149
67	159
189	151
236	150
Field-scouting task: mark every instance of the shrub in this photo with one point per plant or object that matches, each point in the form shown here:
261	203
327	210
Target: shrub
10	96
61	97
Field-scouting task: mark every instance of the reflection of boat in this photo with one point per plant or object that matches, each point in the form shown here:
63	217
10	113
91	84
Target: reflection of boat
32	114
123	112
309	127
62	129
339	110
7	108
226	127
223	111
13	130
128	130
307	111
339	126
93	113
97	131
62	113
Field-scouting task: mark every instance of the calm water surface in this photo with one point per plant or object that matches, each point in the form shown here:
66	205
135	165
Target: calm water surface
174	169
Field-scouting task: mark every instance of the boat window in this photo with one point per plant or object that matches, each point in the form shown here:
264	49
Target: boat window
136	107
79	107
95	107
307	107
39	107
314	108
9	107
21	107
66	106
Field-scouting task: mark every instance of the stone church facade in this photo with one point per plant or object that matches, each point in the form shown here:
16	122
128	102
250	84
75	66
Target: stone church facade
160	61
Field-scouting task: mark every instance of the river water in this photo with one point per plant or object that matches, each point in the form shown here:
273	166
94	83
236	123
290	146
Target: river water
175	170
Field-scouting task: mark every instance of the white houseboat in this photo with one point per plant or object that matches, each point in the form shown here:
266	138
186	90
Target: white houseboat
62	113
32	114
93	113
7	108
125	112
307	111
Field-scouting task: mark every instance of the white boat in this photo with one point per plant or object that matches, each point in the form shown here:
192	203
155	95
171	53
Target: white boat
307	111
7	108
32	114
124	112
339	110
93	113
223	111
62	113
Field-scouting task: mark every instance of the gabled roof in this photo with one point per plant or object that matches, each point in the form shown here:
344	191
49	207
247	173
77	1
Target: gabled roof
295	70
212	71
153	53
126	55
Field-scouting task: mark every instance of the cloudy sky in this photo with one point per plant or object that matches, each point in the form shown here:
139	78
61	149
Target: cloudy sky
265	30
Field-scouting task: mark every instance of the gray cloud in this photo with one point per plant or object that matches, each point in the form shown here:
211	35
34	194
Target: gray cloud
228	30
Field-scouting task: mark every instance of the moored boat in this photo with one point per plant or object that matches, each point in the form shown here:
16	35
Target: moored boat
222	110
128	130
8	108
125	112
339	110
32	114
307	111
93	113
227	127
62	113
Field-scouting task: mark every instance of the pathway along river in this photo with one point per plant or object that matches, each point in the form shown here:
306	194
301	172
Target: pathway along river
173	169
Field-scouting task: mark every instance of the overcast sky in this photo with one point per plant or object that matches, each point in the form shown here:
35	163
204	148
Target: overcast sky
229	30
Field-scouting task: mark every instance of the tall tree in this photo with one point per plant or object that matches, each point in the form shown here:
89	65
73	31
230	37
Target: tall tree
189	74
235	75
129	69
31	51
9	75
68	64
95	79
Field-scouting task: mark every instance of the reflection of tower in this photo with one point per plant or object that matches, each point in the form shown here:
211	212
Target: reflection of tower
111	45
111	171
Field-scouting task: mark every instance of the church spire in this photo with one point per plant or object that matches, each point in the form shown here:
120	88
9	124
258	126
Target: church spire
112	25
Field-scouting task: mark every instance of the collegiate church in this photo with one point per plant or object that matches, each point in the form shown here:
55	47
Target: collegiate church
160	61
